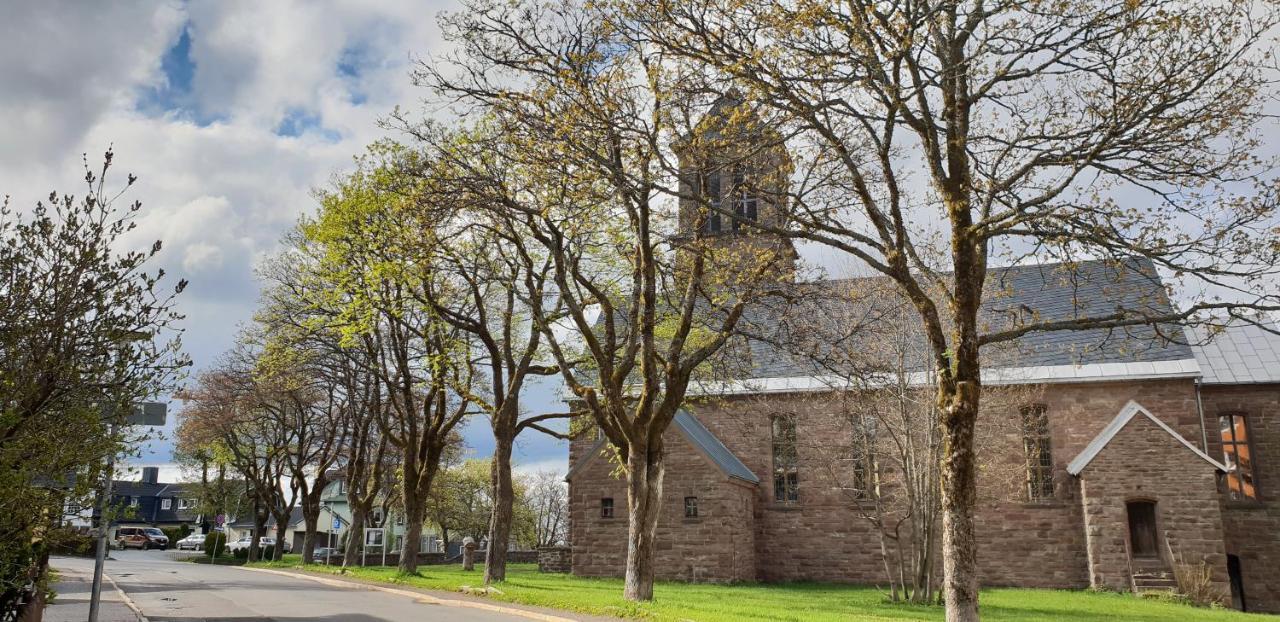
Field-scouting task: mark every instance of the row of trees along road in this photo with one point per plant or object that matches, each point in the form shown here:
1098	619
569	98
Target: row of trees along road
538	232
87	329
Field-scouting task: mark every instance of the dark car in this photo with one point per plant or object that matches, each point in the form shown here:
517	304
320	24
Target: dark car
141	538
328	553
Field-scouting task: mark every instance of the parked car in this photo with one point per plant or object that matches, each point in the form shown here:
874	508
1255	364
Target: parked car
329	553
267	543
194	542
241	544
141	538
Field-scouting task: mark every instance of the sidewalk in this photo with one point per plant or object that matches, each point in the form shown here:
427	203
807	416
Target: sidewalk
72	601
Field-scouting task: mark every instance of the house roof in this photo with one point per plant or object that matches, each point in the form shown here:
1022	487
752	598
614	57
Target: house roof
246	522
1240	353
700	437
1127	414
1017	294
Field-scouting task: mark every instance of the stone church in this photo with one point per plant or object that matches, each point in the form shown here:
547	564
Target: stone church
1131	451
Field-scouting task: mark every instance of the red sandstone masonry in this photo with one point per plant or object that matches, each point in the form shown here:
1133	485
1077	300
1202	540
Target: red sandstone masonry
823	538
716	546
1253	529
1143	462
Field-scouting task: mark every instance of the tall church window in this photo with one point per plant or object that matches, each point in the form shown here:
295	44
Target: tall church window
862	456
711	194
785	476
1039	456
1239	460
745	202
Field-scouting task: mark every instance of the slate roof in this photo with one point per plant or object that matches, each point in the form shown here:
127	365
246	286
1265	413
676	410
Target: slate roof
700	437
1016	295
246	522
1241	353
151	510
705	441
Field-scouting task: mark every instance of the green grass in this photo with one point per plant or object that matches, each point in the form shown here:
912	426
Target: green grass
675	602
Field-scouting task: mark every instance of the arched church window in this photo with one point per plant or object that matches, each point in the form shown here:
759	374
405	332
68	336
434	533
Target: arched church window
746	205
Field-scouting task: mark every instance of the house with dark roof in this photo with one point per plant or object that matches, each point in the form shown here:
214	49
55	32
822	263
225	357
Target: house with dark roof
152	503
1108	456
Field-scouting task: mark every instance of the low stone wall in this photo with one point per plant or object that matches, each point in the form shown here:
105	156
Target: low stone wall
393	559
555	559
435	559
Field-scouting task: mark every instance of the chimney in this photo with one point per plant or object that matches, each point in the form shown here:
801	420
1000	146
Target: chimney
150	475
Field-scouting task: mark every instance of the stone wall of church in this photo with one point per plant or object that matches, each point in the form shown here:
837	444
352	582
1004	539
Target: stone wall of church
716	546
1253	528
827	536
1144	463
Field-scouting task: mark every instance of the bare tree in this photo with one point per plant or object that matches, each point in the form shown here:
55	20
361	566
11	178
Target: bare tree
1007	130
424	365
548	498
582	171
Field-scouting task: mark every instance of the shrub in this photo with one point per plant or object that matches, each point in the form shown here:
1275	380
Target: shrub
242	554
1195	583
176	533
215	541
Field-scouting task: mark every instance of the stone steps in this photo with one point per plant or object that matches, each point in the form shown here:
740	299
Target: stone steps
1153	575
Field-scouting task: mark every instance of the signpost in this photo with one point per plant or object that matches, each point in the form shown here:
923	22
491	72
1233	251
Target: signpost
374	536
146	413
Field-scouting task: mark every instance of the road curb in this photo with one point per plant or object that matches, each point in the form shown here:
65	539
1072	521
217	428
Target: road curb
128	602
435	600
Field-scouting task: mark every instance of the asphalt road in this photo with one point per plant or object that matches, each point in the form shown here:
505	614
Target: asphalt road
170	590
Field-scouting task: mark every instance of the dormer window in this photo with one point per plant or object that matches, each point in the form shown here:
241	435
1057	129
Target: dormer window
746	205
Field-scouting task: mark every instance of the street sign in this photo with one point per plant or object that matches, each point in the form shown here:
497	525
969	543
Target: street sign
373	536
337	523
219	519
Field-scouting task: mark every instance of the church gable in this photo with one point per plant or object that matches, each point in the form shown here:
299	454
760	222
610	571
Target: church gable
1131	411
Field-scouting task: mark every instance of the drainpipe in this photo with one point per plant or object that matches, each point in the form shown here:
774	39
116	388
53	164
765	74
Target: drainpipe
1204	432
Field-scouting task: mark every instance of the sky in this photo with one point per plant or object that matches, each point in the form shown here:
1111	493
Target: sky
230	113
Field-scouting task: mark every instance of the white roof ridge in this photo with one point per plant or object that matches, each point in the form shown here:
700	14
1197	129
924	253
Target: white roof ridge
1130	410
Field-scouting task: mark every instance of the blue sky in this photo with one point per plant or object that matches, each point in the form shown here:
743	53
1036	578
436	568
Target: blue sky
230	113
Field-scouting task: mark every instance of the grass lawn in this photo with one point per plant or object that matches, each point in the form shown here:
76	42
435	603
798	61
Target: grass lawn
676	602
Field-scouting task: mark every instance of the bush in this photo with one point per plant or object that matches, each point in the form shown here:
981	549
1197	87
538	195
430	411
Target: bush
215	541
1195	583
176	533
242	554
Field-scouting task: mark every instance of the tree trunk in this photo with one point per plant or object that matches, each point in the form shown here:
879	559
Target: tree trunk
959	498
259	528
412	535
355	537
309	536
644	503
281	527
495	565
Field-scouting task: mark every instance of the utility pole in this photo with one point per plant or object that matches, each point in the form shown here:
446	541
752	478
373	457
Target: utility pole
146	413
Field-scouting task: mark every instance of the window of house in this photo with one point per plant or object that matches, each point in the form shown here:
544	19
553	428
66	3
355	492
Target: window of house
711	192
1039	456
745	202
429	544
133	501
166	504
862	456
377	517
1239	460
606	507
690	507
785	477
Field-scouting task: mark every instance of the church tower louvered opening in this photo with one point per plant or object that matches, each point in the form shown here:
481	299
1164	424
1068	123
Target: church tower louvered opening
735	174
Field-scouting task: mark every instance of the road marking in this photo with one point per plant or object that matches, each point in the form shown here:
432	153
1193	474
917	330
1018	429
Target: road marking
416	596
